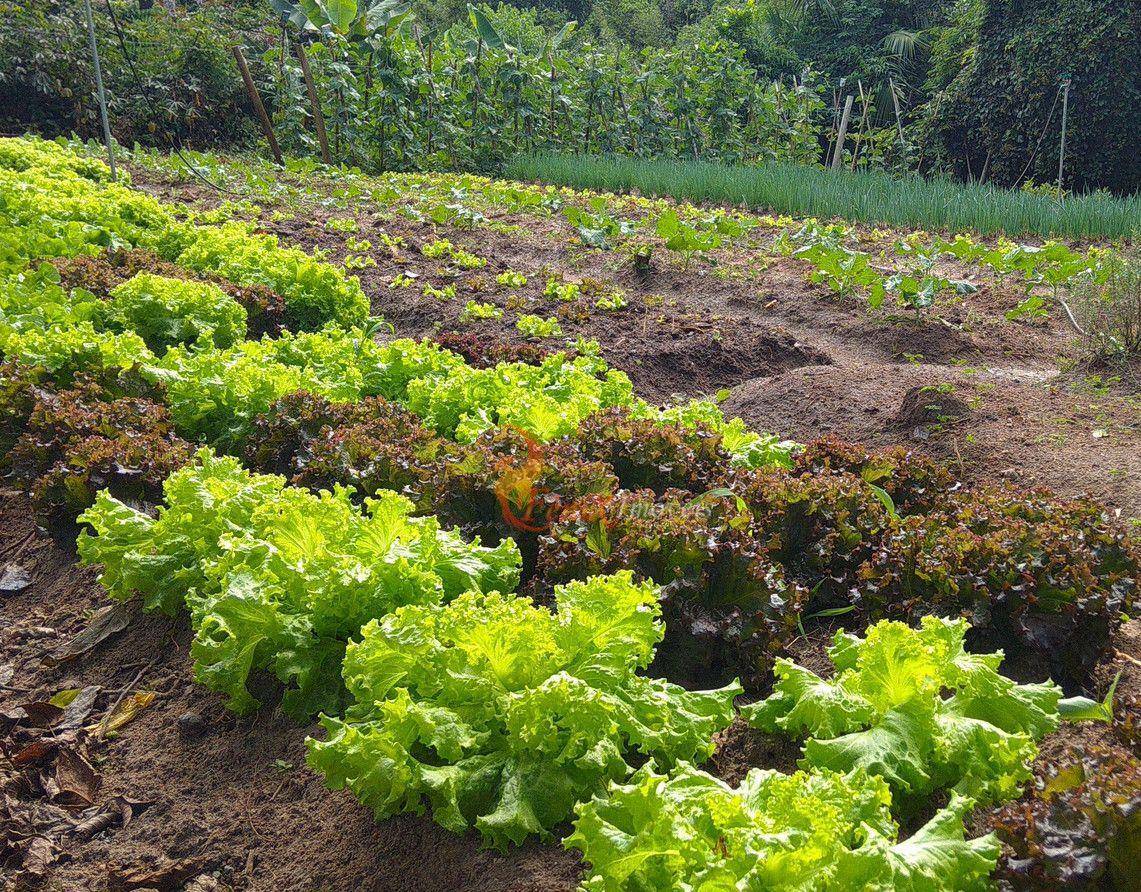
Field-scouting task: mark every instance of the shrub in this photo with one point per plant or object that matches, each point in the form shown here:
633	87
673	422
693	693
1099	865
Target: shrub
189	89
1109	312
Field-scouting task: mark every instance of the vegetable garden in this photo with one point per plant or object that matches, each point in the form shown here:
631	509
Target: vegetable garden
404	469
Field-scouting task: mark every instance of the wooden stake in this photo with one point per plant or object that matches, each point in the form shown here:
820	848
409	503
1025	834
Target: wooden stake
898	119
252	90
839	150
314	103
102	95
1062	149
860	129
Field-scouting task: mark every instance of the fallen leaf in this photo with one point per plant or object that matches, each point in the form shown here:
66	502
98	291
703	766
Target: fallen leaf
76	781
14	578
63	698
166	874
38	856
117	810
124	712
106	621
35	753
79	708
40	714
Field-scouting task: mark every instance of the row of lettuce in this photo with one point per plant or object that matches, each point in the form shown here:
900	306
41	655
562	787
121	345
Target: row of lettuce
366	568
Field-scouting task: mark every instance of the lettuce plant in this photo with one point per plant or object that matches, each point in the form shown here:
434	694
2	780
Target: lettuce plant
544	401
1047	577
164	312
502	715
1077	829
215	395
277	578
914	707
913	482
316	293
370	445
75	442
820	528
746	448
818	830
728	606
652	454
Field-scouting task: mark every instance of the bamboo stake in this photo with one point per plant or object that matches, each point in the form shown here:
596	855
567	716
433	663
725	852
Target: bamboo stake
103	118
252	90
839	150
898	118
860	129
318	115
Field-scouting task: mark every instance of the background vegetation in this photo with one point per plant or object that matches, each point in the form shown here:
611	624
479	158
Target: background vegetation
431	85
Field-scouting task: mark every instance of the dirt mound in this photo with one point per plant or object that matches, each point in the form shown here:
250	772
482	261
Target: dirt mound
929	407
702	361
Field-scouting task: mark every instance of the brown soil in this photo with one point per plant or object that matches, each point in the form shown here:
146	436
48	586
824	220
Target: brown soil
795	359
228	803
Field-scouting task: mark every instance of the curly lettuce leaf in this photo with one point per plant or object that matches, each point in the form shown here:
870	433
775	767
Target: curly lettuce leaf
501	715
914	707
278	578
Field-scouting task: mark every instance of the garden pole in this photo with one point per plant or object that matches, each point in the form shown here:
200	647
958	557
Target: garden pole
314	102
898	119
99	87
842	135
252	90
1062	149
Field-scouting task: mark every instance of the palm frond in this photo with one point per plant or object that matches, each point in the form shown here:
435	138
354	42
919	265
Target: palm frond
905	44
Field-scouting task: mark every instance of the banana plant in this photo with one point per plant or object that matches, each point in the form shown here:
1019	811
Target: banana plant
345	18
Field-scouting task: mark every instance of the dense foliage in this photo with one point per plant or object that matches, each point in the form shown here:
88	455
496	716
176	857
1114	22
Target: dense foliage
502	715
1000	109
915	707
819	830
440	84
189	88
